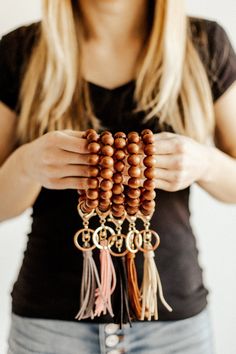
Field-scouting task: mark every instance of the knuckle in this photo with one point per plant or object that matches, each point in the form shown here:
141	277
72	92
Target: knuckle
180	162
53	137
179	177
52	183
179	145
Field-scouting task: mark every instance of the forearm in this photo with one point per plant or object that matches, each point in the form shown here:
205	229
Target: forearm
219	180
17	191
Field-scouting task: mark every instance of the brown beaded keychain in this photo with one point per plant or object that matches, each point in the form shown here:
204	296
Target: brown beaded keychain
86	209
151	284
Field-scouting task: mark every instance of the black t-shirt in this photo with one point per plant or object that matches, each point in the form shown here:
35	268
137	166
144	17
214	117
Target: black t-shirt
48	284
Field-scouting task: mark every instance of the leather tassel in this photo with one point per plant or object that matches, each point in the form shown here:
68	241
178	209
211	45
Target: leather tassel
151	284
124	315
108	284
90	281
133	288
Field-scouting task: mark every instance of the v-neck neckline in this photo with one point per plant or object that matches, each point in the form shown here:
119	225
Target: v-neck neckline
115	89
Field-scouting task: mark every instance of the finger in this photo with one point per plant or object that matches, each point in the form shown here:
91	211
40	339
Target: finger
165	146
70	183
75	133
164	135
70	143
165	161
164	185
68	157
78	171
167	175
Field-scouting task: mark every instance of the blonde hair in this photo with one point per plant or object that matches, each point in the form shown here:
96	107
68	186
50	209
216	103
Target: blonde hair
171	81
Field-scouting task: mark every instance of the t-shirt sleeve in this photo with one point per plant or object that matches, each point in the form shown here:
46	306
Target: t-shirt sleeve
15	50
222	58
9	75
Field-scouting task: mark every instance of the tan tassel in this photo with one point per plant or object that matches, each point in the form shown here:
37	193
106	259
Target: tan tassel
151	285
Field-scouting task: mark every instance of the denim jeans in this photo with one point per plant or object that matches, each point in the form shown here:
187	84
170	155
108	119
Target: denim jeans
39	336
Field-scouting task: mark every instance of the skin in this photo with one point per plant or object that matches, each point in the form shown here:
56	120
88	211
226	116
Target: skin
60	160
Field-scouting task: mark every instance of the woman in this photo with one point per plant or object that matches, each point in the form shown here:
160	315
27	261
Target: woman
118	65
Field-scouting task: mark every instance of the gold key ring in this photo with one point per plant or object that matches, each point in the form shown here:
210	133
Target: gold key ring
81	233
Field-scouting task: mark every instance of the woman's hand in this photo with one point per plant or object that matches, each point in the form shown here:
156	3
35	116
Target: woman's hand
180	161
59	160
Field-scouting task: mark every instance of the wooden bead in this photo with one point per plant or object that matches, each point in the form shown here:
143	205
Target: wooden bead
92	136
134	182
104	203
117	177
148	139
106	173
106	185
132	210
107	150
134	160
144	211
103	208
119	143
149	161
93	171
90	203
118	199
134	171
133	137
117	214
107	139
132	148
89	131
85	208
150	172
146	131
149	149
118	207
119	154
149	195
117	188
120	135
133	202
93	159
119	166
106	132
148	204
133	193
105	195
107	161
149	184
93	147
92	183
92	194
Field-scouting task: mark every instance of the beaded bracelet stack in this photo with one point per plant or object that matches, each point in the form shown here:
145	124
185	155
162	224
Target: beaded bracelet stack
116	199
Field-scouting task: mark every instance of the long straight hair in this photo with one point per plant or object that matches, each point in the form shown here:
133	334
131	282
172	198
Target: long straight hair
171	81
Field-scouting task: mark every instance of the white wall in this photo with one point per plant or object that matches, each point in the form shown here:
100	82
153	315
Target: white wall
214	223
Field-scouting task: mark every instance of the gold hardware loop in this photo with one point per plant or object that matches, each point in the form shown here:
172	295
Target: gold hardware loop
76	242
113	240
130	240
147	246
97	237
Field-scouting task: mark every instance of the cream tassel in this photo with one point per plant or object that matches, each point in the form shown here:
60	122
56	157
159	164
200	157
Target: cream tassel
151	284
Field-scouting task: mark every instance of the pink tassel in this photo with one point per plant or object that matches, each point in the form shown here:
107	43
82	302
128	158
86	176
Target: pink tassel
108	283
